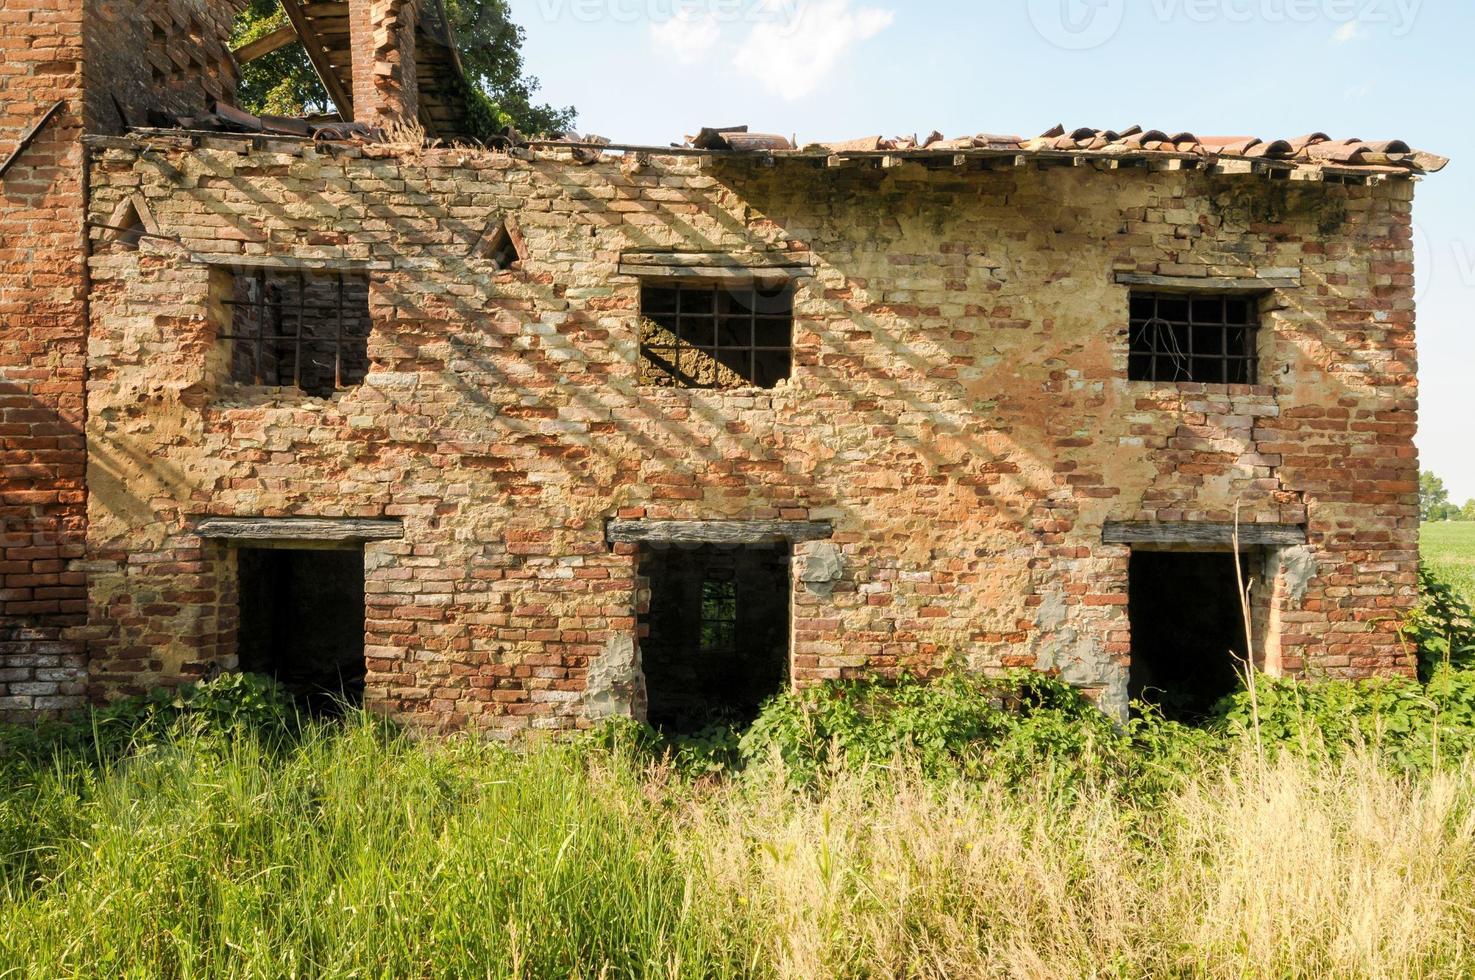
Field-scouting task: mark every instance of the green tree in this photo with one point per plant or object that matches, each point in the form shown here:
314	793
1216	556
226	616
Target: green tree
491	51
284	83
1467	513
1433	497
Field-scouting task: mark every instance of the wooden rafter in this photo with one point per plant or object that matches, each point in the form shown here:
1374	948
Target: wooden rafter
318	54
263	46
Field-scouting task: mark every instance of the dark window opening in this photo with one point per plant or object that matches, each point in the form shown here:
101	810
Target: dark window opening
1206	339
716	643
297	329
1188	631
302	622
700	335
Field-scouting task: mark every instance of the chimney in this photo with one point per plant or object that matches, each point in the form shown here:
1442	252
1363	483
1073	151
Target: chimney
382	35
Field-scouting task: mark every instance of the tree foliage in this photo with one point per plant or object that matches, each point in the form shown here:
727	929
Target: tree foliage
491	50
284	83
1434	502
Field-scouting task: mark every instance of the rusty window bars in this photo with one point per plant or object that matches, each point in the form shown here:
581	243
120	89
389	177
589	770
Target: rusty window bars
307	330
716	336
1178	337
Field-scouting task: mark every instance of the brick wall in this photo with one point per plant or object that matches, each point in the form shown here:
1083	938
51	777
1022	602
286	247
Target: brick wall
170	55
41	361
959	409
382	38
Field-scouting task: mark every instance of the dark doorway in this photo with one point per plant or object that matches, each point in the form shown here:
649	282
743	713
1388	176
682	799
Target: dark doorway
302	622
1188	631
717	643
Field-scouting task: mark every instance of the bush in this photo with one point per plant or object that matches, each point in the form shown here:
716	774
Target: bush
957	724
231	704
1442	628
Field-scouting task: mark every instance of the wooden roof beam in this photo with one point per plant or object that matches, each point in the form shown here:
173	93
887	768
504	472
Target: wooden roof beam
317	54
263	46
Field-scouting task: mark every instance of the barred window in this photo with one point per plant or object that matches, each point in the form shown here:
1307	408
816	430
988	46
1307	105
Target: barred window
719	616
308	330
701	335
1208	339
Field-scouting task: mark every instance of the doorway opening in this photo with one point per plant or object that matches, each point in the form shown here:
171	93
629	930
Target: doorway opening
302	622
715	641
1188	631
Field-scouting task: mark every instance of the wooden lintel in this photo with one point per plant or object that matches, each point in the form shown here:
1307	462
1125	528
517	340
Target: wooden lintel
1210	284
712	272
290	263
730	260
1196	533
265	45
716	532
302	530
713	265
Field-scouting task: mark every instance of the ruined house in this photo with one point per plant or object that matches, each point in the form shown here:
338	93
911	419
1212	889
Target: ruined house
536	434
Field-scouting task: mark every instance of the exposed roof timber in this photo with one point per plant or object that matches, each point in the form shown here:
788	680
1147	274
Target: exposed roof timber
265	45
318	53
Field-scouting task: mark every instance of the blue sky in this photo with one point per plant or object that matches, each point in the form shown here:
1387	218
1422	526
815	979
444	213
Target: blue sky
650	71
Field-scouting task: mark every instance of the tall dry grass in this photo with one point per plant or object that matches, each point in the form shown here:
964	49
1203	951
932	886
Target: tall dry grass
355	853
1289	870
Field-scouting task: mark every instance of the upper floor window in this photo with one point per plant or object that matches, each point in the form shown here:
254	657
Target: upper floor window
295	328
706	335
1207	339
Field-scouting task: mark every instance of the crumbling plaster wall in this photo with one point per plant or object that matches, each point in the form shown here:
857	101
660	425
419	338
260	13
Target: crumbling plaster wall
959	409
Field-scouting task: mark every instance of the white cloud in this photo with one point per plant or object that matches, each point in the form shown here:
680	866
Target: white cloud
794	53
688	36
1353	30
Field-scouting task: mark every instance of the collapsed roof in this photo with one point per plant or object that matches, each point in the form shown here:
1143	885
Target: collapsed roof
445	94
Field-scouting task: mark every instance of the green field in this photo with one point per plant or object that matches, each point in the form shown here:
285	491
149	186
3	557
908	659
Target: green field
1449	548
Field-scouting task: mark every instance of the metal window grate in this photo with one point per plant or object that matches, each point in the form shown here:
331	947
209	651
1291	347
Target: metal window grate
719	620
1206	339
300	329
700	335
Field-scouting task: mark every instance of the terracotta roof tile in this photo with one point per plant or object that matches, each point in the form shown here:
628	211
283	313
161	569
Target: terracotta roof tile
1387	157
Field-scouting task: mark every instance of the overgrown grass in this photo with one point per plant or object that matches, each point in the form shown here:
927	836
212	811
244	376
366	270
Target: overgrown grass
1449	551
359	852
962	828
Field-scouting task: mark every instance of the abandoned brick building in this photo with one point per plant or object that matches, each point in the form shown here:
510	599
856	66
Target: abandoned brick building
527	436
